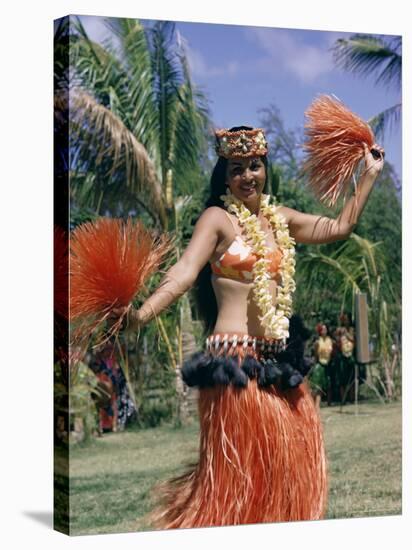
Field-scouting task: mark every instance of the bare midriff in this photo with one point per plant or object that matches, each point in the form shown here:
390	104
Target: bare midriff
237	311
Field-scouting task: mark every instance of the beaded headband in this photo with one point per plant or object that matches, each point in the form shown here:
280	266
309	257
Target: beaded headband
242	143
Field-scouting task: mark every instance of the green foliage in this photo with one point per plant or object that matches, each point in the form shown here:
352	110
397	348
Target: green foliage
369	55
153	412
139	148
137	119
75	396
381	222
151	369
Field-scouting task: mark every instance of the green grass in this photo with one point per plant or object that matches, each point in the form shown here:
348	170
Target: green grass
364	454
111	477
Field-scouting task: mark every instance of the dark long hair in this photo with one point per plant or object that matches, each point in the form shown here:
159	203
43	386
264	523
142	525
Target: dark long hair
204	294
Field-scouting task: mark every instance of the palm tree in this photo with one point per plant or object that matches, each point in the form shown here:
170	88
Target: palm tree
371	55
138	123
138	131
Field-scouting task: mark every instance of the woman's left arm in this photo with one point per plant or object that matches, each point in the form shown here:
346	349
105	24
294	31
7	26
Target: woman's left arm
311	229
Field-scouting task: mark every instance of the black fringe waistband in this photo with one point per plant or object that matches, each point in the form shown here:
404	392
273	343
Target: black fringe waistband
285	369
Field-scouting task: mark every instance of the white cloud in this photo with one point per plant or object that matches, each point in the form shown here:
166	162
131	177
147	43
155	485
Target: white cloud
311	63
199	66
289	50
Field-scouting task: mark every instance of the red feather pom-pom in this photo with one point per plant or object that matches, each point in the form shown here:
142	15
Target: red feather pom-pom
334	146
110	260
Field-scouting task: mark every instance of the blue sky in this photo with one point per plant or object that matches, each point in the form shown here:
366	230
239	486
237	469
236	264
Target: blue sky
242	69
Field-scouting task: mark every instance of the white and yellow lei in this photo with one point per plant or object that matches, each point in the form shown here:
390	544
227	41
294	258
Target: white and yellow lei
274	317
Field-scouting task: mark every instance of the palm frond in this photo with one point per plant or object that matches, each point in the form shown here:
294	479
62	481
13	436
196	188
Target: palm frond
366	249
367	54
95	50
386	120
392	73
84	193
355	264
61	53
132	97
143	115
93	66
317	264
167	79
107	137
98	70
189	141
192	121
198	97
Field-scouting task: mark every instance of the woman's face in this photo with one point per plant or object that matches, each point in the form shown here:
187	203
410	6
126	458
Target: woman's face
323	330
246	178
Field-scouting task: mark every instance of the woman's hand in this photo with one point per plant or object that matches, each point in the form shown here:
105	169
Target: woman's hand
374	159
131	320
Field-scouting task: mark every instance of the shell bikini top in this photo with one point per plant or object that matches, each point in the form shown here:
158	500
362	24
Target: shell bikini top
238	260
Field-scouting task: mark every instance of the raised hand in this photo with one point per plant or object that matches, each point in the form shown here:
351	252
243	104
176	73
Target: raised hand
374	158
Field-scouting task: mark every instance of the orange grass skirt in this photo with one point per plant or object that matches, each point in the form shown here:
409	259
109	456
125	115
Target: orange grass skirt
261	460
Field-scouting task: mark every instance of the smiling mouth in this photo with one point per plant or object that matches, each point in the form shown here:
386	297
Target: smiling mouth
248	187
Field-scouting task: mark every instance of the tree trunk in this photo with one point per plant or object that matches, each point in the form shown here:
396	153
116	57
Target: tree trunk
187	347
388	379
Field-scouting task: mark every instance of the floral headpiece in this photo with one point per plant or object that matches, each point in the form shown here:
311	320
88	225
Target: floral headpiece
241	143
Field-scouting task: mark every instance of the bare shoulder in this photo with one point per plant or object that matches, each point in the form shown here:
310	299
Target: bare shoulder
214	216
288	213
213	213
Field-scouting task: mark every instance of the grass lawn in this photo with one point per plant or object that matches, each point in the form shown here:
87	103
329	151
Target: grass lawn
111	477
365	460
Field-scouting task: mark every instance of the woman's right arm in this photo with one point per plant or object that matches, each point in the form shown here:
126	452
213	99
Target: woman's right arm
181	276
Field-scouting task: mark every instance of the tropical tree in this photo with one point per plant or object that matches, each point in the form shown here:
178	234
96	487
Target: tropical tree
374	55
138	123
283	150
138	127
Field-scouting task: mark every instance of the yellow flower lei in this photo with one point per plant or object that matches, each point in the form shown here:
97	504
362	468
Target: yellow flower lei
274	318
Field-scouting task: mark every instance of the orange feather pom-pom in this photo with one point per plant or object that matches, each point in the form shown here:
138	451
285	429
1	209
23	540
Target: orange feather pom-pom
110	260
334	146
